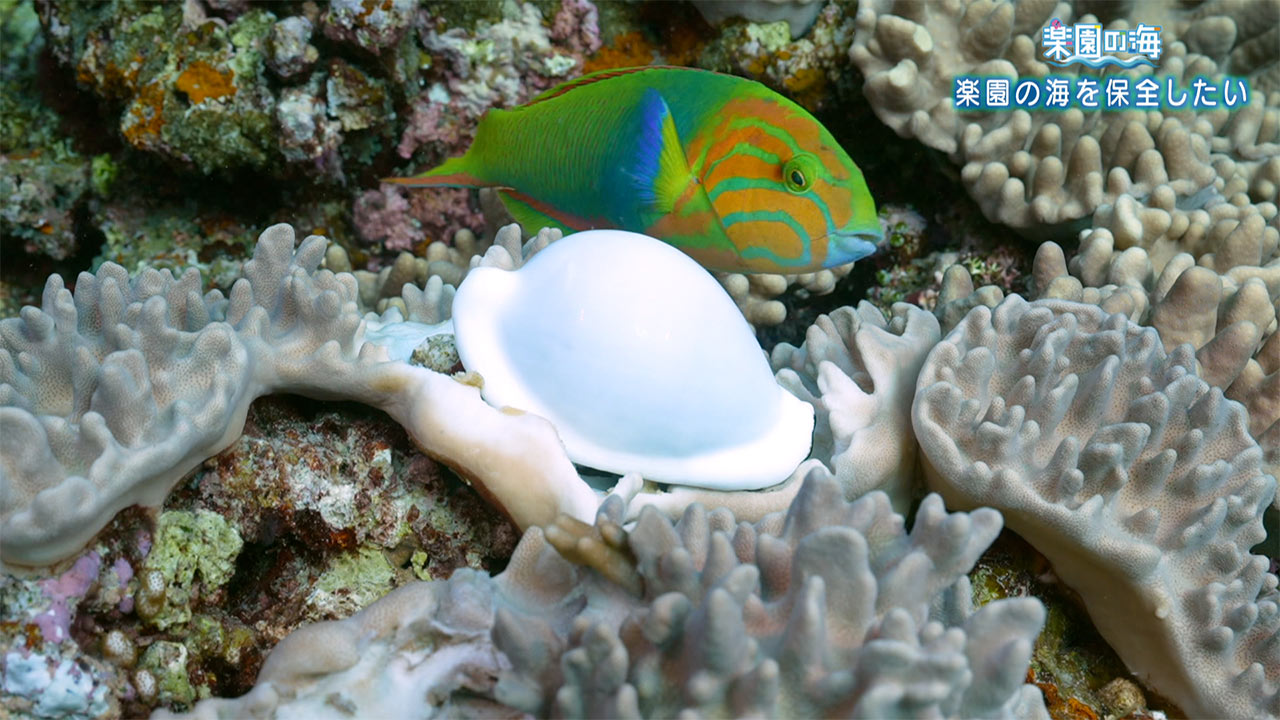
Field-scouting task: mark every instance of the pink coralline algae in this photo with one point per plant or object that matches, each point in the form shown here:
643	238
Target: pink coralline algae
382	217
431	121
124	573
398	219
577	26
441	212
63	591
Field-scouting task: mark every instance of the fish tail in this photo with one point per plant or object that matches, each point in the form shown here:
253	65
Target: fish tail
454	172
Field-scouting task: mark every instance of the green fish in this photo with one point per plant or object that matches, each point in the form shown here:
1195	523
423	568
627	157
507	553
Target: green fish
725	169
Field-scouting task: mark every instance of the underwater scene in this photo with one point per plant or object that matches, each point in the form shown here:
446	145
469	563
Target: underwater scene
639	358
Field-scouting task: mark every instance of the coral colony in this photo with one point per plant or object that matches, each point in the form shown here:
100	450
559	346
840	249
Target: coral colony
658	447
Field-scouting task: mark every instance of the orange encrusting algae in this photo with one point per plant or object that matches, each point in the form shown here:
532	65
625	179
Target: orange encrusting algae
202	81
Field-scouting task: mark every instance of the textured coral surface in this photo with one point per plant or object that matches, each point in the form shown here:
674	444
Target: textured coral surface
140	141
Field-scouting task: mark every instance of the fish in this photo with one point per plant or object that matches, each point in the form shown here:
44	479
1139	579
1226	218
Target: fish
737	176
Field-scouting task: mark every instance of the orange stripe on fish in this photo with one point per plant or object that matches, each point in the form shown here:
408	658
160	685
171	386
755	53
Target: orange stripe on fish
800	208
743	165
782	239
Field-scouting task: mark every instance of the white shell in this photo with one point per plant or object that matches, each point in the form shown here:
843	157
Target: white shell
638	357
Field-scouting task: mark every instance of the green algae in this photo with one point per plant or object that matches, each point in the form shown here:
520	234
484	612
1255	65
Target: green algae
167	663
418	563
194	553
205	637
102	173
1069	653
352	581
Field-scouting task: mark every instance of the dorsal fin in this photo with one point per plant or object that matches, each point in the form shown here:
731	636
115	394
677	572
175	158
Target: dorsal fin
597	76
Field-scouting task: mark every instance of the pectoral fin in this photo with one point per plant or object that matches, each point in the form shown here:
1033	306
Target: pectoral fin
658	169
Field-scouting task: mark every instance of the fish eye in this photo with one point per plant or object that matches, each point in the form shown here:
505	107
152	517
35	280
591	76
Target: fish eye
798	173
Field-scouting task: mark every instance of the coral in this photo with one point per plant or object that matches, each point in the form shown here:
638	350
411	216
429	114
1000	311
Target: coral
114	393
1230	319
43	179
42	673
859	370
353	581
804	68
756	294
305	489
307	132
1136	479
370	24
166	663
290	51
46	687
381	217
830	609
577	25
1041	172
141	237
498	64
63	592
41	195
205	94
431	122
798	15
628	49
198	97
1070	660
355	99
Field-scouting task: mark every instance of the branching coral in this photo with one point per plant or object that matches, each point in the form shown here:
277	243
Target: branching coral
1040	171
1184	235
1137	480
1230	320
831	609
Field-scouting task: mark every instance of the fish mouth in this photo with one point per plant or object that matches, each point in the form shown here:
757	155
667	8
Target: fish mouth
852	244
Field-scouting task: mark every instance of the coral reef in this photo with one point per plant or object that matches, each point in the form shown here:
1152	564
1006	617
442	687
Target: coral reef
201	100
1042	171
1229	319
858	371
798	614
138	141
43	178
1137	479
805	68
99	390
334	507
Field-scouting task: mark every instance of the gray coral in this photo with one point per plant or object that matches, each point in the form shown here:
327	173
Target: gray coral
1041	171
830	609
1138	480
110	395
822	612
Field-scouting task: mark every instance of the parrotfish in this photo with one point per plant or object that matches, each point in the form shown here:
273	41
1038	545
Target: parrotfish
725	169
